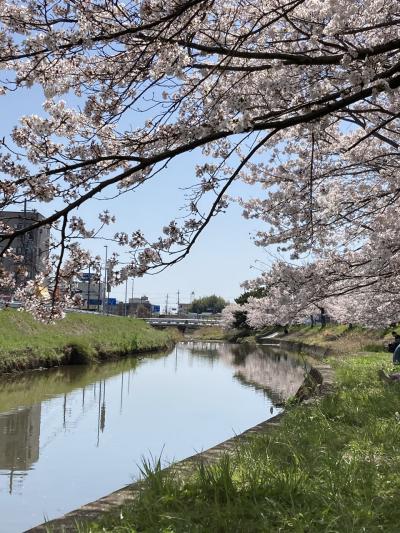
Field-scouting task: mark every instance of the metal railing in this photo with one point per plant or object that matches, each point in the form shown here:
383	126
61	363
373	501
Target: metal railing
177	321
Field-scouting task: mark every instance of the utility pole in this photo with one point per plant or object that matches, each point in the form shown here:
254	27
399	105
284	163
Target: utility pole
99	292
88	291
166	305
105	281
178	303
126	295
133	288
108	291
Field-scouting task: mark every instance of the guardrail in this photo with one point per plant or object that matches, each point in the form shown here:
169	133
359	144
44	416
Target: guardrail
175	321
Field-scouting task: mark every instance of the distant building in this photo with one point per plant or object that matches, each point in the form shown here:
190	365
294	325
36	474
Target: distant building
91	291
33	245
140	307
183	309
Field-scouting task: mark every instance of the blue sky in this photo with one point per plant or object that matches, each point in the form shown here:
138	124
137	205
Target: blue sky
222	257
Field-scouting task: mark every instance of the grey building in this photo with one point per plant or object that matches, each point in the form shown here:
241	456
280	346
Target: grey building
138	307
19	438
33	245
183	309
91	290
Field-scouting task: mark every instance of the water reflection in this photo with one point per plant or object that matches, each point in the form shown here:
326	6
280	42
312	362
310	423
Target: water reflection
19	442
70	435
29	388
20	428
265	368
277	375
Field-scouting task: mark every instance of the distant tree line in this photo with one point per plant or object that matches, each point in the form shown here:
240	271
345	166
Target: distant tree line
208	304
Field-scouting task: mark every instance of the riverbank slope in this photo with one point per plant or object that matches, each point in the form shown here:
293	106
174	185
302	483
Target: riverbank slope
341	338
78	338
333	338
331	465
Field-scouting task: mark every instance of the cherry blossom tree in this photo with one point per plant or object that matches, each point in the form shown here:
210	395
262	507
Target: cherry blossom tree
347	294
300	96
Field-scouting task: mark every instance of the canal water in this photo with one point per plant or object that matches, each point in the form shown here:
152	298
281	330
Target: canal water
71	435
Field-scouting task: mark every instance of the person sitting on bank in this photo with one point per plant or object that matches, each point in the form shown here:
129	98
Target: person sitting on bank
396	337
396	355
396	342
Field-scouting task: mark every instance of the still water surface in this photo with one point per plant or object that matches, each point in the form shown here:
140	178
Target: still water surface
71	435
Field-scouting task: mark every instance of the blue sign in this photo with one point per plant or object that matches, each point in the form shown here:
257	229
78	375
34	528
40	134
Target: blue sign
156	309
111	301
86	276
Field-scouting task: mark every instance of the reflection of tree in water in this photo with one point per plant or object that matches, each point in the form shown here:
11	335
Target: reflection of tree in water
240	353
33	387
273	371
206	350
277	372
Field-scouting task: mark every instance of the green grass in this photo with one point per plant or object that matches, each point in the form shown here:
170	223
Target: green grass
79	338
207	333
332	466
341	338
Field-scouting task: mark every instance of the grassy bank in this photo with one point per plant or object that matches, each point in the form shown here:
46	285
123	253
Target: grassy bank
332	466
341	338
207	333
79	338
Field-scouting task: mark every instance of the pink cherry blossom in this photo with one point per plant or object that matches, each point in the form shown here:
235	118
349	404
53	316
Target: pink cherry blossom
300	98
